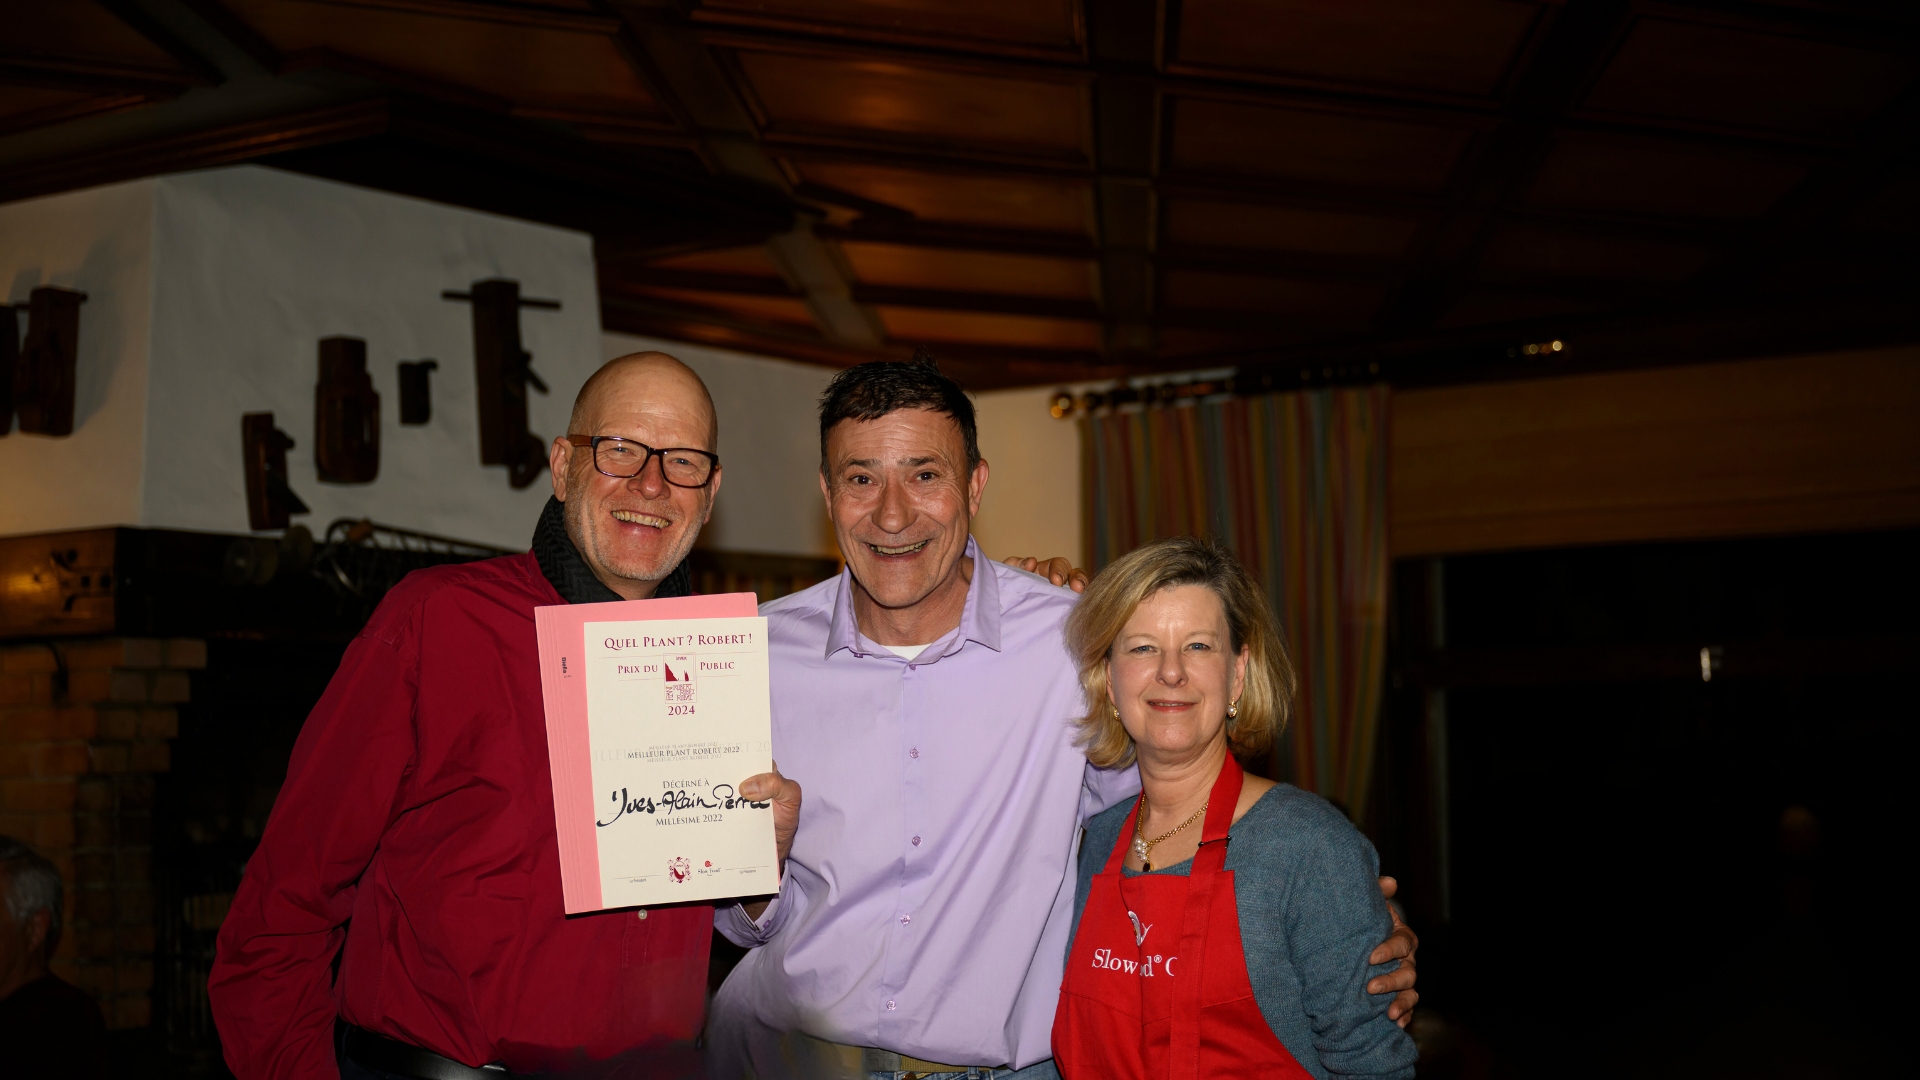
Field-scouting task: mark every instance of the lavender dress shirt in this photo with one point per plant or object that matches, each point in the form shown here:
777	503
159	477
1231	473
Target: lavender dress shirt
929	893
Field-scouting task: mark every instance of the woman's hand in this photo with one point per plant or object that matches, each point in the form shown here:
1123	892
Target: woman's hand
1058	570
1398	946
785	796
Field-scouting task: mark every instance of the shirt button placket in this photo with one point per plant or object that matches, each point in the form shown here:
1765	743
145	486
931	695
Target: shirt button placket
913	753
913	782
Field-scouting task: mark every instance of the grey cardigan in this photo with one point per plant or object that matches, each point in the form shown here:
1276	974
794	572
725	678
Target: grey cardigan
1310	908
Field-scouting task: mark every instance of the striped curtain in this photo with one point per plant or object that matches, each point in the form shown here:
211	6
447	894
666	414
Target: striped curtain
1296	485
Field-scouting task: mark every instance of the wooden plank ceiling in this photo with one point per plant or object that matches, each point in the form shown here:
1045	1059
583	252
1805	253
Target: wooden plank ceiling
1048	190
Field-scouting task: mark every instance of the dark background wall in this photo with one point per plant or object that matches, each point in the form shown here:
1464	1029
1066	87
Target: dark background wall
1622	868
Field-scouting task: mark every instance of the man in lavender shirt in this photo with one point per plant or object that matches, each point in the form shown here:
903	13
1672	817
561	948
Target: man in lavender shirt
925	701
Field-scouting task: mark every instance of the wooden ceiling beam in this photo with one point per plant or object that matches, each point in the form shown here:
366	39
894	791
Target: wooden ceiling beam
632	303
680	69
1309	195
1046	307
72	73
938	236
1123	40
1250	191
224	145
1812	214
623	313
1652	335
977	367
204	71
848	148
879	295
1402	106
234	32
929	234
1493	174
72	110
925	55
1282	327
1256	264
495	11
667	277
938	155
721	20
405	81
1264	262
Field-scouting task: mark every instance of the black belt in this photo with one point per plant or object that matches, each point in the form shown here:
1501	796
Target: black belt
375	1051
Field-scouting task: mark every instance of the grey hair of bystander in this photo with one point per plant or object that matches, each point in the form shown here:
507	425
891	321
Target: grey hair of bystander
33	886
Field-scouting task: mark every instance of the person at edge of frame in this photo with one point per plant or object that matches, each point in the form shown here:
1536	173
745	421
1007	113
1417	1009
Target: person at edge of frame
50	1029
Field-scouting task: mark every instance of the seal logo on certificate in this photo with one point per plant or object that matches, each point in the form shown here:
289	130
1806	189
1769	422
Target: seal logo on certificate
656	709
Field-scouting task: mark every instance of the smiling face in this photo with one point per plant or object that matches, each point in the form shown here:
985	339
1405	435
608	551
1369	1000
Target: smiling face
1172	673
633	532
902	500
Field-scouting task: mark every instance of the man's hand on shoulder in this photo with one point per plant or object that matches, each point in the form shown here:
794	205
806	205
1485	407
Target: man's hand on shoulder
1400	946
1058	570
785	796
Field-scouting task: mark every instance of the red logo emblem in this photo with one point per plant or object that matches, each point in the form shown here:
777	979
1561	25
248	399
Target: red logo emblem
677	869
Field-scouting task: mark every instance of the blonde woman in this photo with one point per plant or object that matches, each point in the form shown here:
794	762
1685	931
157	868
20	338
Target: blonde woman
1222	922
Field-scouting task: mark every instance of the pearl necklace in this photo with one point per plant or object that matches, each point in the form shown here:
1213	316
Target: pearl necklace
1143	847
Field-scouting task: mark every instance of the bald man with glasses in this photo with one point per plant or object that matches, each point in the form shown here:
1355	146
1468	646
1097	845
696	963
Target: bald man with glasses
413	842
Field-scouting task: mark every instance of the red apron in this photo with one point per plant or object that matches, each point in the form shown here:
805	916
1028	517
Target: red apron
1156	984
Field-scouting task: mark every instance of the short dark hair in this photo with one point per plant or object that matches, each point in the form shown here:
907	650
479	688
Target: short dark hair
872	390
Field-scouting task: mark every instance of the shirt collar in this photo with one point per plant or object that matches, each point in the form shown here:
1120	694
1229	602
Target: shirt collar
979	619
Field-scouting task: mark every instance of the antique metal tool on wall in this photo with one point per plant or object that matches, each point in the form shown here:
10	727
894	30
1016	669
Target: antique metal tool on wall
416	391
269	498
40	375
9	357
346	414
503	371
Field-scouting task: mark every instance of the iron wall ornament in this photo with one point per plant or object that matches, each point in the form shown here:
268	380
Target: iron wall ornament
416	391
43	372
9	359
346	414
503	370
270	501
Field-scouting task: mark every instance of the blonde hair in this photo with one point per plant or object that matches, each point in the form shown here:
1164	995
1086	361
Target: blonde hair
1119	590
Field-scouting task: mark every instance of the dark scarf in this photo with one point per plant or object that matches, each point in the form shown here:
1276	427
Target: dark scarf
569	574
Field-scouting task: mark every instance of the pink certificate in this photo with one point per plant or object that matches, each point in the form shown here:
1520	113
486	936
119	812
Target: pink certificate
656	710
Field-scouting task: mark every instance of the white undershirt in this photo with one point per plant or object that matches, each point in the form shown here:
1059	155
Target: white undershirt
908	653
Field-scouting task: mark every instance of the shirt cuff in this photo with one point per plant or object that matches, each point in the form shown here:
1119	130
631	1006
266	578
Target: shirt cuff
738	927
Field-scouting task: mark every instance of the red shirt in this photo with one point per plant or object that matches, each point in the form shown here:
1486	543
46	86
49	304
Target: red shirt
418	805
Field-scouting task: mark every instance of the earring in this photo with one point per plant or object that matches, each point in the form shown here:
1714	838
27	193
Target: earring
1233	710
1115	709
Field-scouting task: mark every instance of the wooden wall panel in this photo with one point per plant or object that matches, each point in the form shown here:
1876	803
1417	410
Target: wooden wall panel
1802	444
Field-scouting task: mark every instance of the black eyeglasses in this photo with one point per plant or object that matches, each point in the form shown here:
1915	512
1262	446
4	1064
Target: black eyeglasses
624	459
